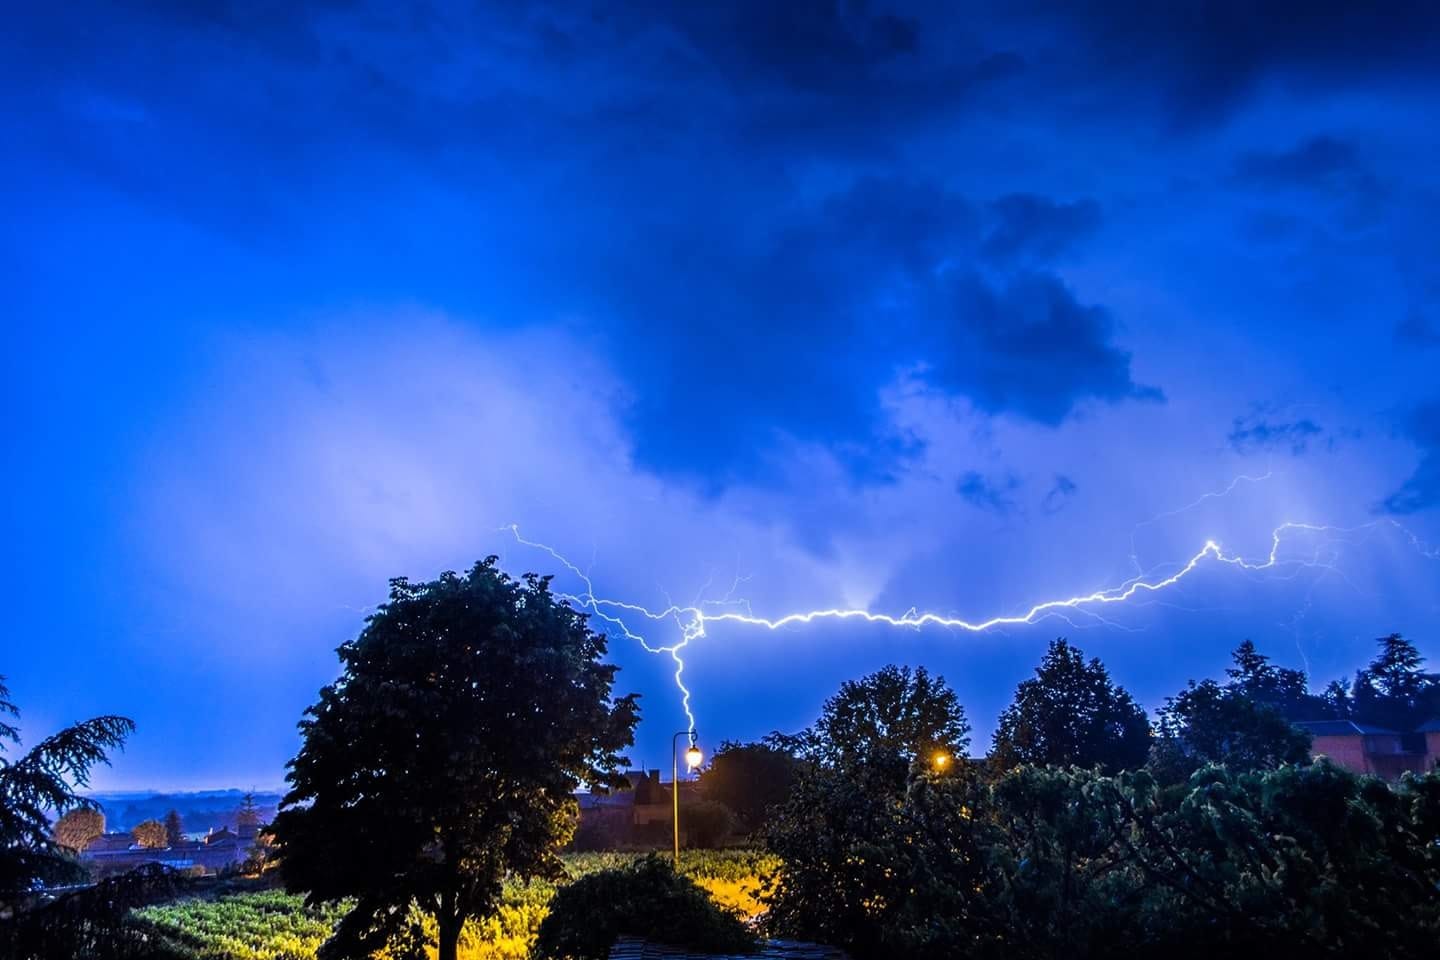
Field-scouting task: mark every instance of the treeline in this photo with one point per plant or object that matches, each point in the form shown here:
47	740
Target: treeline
1091	832
1071	713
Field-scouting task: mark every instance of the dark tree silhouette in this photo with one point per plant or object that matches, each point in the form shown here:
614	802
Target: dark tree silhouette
1070	713
248	814
174	828
444	758
886	720
1394	691
43	781
750	778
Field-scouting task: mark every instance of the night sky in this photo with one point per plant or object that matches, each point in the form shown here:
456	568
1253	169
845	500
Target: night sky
811	304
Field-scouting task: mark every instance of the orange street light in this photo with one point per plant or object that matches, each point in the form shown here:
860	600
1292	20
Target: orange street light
941	761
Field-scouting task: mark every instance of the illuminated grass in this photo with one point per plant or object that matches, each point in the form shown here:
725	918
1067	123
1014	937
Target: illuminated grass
273	925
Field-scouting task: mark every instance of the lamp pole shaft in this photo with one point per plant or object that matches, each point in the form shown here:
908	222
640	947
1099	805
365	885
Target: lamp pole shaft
675	788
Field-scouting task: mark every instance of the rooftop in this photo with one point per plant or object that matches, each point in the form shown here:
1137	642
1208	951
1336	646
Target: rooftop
1342	728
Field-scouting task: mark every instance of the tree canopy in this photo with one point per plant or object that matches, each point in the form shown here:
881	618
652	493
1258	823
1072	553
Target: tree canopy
1244	723
78	827
444	758
1070	713
750	779
42	781
886	720
1394	691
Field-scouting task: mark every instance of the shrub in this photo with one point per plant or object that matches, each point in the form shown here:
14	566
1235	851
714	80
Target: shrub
644	899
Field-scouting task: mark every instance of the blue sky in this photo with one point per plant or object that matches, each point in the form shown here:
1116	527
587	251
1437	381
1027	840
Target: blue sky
828	304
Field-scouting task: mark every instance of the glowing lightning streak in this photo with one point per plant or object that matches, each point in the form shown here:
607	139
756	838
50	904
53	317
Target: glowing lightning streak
692	619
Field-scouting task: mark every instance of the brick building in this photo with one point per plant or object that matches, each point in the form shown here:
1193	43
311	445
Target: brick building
1363	748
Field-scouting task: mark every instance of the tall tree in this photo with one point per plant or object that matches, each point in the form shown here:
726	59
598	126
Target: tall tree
44	780
174	828
78	827
1394	690
1210	723
445	757
150	834
886	720
1282	689
1070	713
248	814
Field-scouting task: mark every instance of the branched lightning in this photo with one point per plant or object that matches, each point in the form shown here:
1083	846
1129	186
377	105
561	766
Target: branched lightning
692	619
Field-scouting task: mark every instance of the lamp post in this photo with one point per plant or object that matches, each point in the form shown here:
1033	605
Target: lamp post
693	756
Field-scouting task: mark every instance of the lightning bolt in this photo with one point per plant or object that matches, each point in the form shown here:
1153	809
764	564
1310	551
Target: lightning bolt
692	619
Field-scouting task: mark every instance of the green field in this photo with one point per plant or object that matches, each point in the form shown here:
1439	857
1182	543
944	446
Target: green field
273	925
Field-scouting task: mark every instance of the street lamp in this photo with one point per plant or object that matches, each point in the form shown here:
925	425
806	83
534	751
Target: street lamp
942	760
693	756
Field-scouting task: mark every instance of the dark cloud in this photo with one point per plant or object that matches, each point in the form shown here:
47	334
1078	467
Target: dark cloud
1206	57
1317	162
1030	348
1059	494
1416	330
991	495
1422	490
1038	227
1256	432
1321	165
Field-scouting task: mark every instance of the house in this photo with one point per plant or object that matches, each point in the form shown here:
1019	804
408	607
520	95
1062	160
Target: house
116	853
637	814
1377	751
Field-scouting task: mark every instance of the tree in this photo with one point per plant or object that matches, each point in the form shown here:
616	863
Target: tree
1071	714
445	757
1280	688
750	778
78	827
150	834
644	898
1209	723
45	780
174	829
847	845
248	814
1393	691
884	721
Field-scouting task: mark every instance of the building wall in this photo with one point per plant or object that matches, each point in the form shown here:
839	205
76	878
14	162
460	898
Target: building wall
1346	751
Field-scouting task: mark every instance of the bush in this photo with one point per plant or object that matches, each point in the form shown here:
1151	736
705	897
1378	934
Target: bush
644	899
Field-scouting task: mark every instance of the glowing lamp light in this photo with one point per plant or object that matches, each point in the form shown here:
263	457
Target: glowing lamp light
693	756
941	761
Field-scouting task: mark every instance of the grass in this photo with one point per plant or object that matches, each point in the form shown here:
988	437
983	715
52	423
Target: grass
273	925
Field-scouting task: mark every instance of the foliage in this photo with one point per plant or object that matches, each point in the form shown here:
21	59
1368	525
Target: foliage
78	827
1394	691
95	922
174	828
248	814
883	721
1304	860
750	778
274	925
1239	724
42	781
1070	713
469	709
706	823
150	834
646	899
